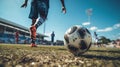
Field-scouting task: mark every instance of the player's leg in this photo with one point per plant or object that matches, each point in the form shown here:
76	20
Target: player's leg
33	15
33	35
43	11
33	21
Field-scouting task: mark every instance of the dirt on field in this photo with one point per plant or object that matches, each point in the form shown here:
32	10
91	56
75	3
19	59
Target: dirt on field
56	56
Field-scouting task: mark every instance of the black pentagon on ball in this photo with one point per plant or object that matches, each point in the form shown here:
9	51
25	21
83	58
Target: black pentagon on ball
71	47
72	29
81	32
83	45
89	46
66	39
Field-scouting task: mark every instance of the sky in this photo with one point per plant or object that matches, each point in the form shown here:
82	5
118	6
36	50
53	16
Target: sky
104	18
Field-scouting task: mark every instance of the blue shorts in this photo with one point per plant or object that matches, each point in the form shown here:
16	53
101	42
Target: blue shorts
38	8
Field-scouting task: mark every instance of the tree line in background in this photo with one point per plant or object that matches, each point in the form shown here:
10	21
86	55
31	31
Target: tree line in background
104	40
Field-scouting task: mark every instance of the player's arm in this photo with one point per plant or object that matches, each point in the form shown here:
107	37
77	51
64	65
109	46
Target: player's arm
25	4
63	6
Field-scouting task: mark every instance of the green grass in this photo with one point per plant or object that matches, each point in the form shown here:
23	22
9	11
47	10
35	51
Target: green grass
56	56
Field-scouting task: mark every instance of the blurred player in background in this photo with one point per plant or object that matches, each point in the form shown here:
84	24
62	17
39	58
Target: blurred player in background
38	7
52	38
16	37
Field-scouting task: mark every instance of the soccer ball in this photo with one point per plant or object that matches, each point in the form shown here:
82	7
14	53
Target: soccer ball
77	39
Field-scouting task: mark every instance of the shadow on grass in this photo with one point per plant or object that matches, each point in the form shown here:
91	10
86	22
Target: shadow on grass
99	57
62	49
116	51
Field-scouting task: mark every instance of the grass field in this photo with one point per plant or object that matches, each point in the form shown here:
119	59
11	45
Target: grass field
56	56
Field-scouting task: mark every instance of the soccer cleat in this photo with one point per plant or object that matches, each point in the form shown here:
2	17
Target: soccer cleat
33	32
33	45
